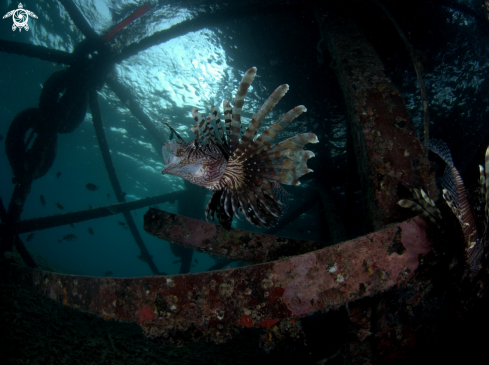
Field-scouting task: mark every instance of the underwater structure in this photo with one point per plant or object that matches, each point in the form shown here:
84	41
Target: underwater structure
369	292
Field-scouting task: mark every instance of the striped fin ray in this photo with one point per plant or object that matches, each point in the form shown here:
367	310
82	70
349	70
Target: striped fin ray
258	118
423	205
265	140
406	203
238	105
208	130
286	162
214	207
227	118
427	203
197	128
220	131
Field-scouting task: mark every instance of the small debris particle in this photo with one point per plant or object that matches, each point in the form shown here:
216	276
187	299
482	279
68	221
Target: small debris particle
332	267
266	284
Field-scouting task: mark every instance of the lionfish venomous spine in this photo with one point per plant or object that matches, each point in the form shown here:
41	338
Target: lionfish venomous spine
245	174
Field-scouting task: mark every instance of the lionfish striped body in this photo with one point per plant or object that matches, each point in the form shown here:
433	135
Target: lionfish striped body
457	199
245	174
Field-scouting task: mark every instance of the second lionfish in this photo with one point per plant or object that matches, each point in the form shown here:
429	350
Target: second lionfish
457	199
245	174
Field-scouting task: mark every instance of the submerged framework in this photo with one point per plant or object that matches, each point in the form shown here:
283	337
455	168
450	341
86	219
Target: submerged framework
383	279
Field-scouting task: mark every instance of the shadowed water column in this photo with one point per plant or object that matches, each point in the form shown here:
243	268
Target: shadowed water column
104	148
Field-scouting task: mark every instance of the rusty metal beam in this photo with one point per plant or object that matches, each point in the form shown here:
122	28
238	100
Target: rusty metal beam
235	244
212	304
387	148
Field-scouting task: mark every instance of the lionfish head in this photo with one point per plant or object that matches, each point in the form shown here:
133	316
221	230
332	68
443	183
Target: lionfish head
191	161
179	163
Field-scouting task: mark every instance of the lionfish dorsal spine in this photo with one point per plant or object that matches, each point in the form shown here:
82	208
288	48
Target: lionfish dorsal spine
208	130
244	85
257	120
265	140
197	128
220	131
228	110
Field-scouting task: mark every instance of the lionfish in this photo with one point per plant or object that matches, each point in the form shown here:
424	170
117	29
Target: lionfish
244	174
456	197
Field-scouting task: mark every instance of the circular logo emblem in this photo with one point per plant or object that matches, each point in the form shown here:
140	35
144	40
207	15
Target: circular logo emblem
20	18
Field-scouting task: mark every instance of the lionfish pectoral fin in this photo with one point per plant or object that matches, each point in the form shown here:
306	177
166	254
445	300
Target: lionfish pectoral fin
288	161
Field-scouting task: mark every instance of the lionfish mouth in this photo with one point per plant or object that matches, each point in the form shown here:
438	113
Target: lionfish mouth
180	165
169	157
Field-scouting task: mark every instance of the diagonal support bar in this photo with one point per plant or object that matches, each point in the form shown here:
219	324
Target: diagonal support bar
56	220
114	181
